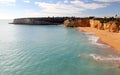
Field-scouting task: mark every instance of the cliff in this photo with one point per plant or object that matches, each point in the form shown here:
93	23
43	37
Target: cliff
100	24
77	23
82	23
69	23
114	27
111	26
96	24
40	21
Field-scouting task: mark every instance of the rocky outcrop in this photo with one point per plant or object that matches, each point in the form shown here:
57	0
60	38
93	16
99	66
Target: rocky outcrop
100	26
82	23
114	27
69	23
96	24
106	26
77	23
109	26
93	23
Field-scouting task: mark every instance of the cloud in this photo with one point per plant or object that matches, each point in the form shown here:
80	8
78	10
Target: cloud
8	2
88	5
58	9
27	1
42	14
107	0
67	8
66	1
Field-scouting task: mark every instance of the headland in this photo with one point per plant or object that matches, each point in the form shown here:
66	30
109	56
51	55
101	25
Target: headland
39	21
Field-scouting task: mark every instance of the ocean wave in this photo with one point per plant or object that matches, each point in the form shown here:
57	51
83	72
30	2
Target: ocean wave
89	33
94	39
109	59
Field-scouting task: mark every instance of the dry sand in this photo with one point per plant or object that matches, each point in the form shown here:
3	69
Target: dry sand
110	38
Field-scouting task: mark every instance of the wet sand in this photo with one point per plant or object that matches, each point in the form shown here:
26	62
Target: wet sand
110	38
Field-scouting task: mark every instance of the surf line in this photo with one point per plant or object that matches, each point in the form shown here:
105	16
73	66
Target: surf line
110	59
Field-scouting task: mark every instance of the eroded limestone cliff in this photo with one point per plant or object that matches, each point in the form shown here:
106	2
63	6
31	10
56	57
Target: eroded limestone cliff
77	23
69	23
82	23
111	26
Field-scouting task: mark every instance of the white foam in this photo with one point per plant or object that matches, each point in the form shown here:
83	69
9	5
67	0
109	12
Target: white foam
94	39
89	33
109	59
91	36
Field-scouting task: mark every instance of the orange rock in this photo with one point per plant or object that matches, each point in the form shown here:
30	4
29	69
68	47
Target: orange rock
107	26
100	26
96	24
77	23
69	23
92	22
114	27
82	23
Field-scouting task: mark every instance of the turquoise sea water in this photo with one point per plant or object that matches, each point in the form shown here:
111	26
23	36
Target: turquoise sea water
51	50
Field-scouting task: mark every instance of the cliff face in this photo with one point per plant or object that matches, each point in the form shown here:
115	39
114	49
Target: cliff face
77	23
82	23
106	26
40	21
21	21
114	27
96	24
69	23
109	26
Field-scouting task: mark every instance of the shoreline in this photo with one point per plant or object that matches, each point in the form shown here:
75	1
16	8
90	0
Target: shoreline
107	38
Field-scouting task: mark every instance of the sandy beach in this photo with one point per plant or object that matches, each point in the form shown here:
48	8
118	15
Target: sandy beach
112	39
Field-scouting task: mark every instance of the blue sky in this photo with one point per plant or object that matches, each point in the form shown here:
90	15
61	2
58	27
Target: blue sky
10	9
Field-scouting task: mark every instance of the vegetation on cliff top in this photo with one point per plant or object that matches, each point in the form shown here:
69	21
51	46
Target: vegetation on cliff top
105	19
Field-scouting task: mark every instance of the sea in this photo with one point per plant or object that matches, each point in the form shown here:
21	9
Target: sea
53	50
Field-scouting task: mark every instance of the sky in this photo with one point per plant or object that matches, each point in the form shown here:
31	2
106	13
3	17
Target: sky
10	9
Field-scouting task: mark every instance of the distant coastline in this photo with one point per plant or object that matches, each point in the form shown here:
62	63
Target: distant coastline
40	21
